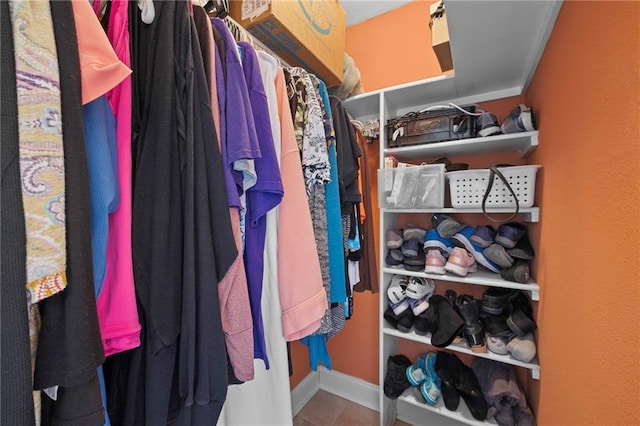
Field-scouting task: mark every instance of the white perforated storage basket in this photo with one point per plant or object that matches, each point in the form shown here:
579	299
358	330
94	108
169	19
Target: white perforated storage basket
467	187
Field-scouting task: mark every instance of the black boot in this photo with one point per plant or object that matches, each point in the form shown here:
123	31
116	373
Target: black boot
473	329
447	369
449	322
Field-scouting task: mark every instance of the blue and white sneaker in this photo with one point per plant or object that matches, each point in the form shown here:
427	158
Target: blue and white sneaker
429	388
463	239
419	291
416	372
433	241
396	296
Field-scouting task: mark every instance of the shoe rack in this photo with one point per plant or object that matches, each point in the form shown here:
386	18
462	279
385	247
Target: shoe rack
396	101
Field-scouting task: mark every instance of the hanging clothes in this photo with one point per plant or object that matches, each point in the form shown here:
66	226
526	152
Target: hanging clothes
368	264
69	319
15	360
117	309
233	291
274	382
265	195
42	165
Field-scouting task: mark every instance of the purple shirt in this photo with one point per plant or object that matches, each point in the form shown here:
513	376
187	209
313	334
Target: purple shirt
262	197
237	129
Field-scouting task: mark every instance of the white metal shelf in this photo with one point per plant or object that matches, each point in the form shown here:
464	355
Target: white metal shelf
481	277
463	348
522	143
527	214
462	415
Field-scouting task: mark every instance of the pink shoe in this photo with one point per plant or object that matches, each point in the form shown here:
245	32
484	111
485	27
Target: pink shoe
461	262
435	263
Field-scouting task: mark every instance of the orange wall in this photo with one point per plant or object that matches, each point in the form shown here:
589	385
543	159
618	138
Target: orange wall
585	94
586	91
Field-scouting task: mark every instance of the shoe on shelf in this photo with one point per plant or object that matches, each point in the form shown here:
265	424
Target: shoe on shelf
395	381
427	321
413	232
518	273
452	298
433	241
419	288
460	262
396	291
510	233
473	329
520	319
523	249
416	372
449	323
522	348
446	226
429	389
483	235
394	258
471	392
463	239
520	119
487	125
410	248
434	263
497	344
447	370
394	239
406	321
498	255
494	299
415	263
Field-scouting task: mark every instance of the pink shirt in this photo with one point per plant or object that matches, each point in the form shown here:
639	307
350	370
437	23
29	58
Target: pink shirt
302	295
117	311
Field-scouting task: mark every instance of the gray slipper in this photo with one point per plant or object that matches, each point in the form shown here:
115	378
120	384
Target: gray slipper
498	255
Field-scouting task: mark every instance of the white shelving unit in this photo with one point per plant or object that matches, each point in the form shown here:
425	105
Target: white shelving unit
495	47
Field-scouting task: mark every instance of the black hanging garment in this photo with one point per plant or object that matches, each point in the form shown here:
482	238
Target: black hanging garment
69	345
16	406
182	238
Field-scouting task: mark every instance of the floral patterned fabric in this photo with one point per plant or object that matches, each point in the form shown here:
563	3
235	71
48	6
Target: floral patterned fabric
41	150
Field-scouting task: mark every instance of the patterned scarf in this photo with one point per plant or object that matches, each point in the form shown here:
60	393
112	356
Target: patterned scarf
41	150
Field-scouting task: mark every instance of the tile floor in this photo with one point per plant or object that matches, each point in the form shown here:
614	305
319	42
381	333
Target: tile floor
327	409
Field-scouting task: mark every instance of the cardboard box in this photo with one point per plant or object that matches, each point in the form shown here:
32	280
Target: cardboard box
305	33
440	35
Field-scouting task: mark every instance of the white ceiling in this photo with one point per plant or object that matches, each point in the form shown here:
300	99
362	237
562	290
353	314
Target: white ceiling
361	10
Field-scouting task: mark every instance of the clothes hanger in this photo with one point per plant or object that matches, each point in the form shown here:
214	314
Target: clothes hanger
148	11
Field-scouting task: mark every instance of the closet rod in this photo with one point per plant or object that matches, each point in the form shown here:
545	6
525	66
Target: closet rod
257	44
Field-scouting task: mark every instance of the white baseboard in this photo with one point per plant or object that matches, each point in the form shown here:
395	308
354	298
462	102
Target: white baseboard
360	392
349	387
304	391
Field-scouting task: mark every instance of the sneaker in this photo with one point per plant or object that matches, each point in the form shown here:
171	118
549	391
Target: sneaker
520	119
483	236
396	290
461	262
410	248
413	232
518	273
522	348
446	225
430	388
419	291
394	239
487	125
416	372
523	249
463	239
497	344
510	233
394	258
434	263
433	240
498	255
395	381
415	263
